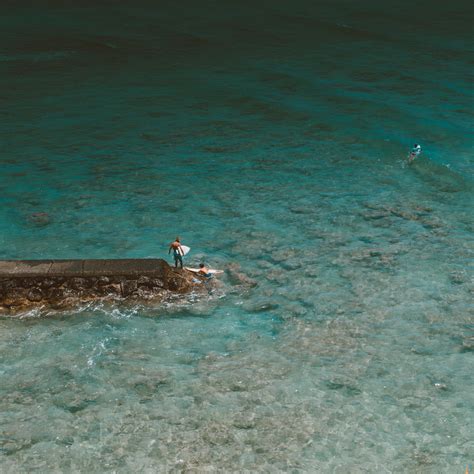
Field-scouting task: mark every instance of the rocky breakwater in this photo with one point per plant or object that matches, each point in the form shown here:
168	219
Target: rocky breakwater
65	283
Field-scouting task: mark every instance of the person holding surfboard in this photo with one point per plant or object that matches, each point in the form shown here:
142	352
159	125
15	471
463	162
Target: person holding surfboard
178	252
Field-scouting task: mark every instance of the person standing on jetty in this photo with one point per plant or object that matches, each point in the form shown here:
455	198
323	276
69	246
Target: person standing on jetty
178	252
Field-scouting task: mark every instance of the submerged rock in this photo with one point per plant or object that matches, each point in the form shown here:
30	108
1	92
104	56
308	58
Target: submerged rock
262	307
238	277
40	219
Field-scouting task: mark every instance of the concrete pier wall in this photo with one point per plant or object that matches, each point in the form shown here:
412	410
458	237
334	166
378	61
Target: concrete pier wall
63	283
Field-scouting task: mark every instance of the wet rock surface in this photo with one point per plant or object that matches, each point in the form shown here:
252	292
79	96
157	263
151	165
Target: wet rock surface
64	283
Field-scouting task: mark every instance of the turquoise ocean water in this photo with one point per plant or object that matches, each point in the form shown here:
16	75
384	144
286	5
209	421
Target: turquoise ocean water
272	138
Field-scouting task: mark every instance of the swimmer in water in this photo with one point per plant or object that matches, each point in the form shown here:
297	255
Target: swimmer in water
415	151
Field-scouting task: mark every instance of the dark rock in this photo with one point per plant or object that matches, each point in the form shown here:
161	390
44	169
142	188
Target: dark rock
35	294
173	284
467	345
347	387
79	283
40	218
8	283
158	283
55	293
239	278
47	283
15	297
103	280
64	441
129	287
111	289
458	277
262	307
145	282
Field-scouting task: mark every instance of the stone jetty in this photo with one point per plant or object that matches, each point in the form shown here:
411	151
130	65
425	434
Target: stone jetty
65	283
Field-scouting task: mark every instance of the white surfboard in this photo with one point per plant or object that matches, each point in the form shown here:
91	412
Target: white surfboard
185	248
212	271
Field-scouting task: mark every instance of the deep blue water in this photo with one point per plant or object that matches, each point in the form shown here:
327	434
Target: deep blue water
273	139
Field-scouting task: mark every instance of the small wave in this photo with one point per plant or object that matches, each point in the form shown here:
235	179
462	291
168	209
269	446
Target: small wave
97	351
36	57
441	175
122	309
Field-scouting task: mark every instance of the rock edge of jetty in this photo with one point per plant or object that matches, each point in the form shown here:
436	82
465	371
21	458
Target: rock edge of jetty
65	283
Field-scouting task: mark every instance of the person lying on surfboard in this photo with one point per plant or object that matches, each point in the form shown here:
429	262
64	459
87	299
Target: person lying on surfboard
178	252
203	270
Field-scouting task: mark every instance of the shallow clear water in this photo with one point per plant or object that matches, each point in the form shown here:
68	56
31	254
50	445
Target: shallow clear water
273	139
